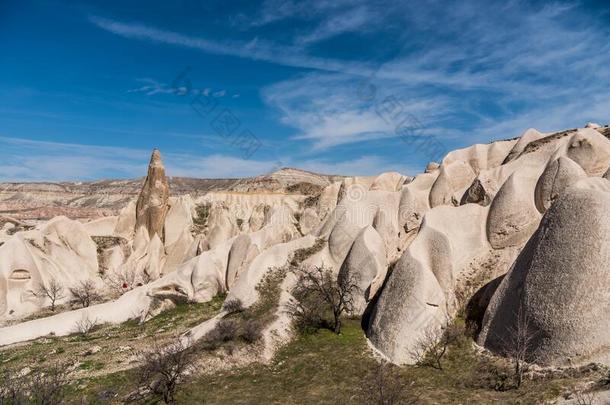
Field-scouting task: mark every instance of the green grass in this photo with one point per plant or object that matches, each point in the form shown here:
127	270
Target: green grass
329	368
110	338
91	365
320	368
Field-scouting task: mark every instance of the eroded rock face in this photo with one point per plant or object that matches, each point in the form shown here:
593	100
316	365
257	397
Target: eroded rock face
475	194
558	175
411	303
513	216
61	250
559	285
152	205
366	265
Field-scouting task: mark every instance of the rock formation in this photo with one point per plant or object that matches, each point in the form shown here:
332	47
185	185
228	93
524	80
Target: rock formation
558	288
532	209
152	205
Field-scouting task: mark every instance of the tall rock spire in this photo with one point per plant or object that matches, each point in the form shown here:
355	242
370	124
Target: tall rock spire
152	203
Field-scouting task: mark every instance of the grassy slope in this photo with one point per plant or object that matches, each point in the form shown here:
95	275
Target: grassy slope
326	368
317	368
117	346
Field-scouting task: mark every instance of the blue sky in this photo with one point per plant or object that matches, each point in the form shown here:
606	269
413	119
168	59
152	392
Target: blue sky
88	88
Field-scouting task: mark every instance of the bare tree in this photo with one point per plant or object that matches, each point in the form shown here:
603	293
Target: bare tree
85	293
120	282
384	385
13	388
318	290
430	349
47	387
53	290
518	347
163	368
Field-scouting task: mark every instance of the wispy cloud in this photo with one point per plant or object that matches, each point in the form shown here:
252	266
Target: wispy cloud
272	11
330	110
352	20
498	70
153	87
470	72
256	49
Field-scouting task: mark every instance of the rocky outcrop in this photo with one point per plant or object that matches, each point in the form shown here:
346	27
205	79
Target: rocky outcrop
366	265
61	250
558	175
476	194
513	216
448	233
152	205
557	289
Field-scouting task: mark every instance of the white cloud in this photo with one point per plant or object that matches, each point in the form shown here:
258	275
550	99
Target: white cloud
257	49
470	72
348	21
334	109
273	11
155	87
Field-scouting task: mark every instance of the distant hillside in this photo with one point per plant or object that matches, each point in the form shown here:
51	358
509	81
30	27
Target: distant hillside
106	197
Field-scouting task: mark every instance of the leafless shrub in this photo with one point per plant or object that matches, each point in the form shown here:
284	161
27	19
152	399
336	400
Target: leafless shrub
251	331
224	331
233	306
120	282
319	291
430	349
85	324
53	290
13	388
518	346
164	367
583	397
384	385
47	387
489	373
85	293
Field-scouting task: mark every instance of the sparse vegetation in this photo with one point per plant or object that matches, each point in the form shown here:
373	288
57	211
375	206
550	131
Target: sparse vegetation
431	348
85	325
315	368
164	367
582	397
233	305
202	213
121	282
311	201
45	387
224	331
302	254
247	324
107	242
85	293
304	188
319	291
383	385
95	373
518	347
53	290
312	192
